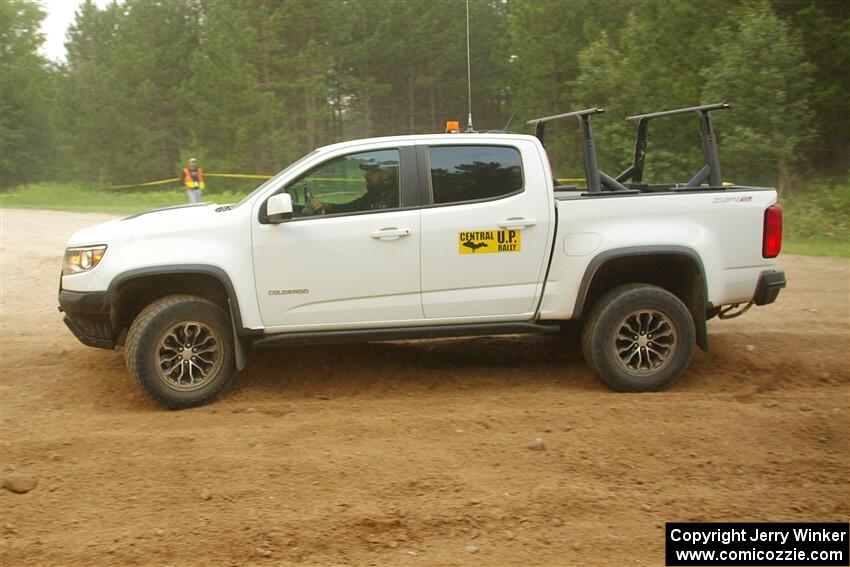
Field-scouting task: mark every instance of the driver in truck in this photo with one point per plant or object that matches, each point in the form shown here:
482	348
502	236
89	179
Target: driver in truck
381	192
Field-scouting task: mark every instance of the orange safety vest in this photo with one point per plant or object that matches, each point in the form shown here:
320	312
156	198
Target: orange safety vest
187	179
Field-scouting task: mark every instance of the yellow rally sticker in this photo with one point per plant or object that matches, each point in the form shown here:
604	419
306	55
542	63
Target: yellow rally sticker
488	241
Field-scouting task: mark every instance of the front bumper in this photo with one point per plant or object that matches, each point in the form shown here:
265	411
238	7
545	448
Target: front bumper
88	315
768	286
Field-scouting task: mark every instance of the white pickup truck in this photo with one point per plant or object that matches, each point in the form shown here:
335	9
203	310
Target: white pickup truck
428	236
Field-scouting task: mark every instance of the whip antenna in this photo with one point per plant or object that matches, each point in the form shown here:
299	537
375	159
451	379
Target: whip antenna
468	74
511	119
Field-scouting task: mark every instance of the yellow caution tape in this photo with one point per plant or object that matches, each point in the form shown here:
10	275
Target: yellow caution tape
229	176
177	179
239	175
162	182
260	176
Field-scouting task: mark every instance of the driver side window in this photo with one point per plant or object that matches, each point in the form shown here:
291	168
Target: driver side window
365	181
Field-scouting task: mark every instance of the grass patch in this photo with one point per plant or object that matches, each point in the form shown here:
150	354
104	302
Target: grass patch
81	198
816	217
816	248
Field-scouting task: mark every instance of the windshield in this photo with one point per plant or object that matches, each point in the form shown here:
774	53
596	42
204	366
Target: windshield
250	195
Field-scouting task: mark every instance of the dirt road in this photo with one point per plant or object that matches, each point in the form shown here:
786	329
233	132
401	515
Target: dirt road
415	453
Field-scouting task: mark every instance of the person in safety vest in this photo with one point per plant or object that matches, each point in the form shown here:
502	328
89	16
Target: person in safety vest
193	181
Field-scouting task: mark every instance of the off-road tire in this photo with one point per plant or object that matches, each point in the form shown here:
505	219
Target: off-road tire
603	325
142	342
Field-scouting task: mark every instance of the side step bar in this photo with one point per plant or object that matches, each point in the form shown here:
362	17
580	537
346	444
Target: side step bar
404	333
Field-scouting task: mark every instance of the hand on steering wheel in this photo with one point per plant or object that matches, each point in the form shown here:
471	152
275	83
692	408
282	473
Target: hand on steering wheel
318	206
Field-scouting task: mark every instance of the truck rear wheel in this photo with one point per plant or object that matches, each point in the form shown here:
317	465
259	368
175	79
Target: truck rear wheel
638	338
180	351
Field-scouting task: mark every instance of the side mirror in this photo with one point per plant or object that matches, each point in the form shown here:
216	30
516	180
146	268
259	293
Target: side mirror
279	208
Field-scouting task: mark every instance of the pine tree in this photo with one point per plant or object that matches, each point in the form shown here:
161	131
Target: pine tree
824	29
26	85
652	63
762	69
250	86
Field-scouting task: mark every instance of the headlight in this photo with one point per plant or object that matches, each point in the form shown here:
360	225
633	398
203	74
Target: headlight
79	260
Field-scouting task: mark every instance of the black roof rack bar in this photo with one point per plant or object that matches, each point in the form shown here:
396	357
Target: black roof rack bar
710	171
596	179
717	106
567	115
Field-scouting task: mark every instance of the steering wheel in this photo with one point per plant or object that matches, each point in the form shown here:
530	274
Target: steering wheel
308	198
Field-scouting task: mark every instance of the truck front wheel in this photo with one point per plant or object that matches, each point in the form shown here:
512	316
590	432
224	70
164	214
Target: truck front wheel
180	351
638	338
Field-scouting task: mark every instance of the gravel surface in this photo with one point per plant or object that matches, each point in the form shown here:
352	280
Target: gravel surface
412	453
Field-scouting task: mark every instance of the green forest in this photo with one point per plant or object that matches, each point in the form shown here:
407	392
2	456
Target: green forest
247	86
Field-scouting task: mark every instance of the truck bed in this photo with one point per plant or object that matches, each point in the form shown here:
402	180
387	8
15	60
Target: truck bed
720	227
567	192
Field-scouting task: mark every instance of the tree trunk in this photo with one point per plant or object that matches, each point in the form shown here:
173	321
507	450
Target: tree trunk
784	176
411	102
367	114
308	114
435	126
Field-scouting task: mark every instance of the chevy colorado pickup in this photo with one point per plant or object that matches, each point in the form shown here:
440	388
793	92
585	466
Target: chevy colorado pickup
428	236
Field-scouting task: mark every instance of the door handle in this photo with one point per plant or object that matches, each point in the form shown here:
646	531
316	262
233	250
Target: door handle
517	222
390	233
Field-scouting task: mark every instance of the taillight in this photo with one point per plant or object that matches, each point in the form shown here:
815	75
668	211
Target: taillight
772	241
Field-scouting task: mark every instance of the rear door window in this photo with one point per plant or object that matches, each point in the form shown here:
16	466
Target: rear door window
474	173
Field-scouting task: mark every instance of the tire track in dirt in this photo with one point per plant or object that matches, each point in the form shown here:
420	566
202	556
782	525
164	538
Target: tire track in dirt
407	453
